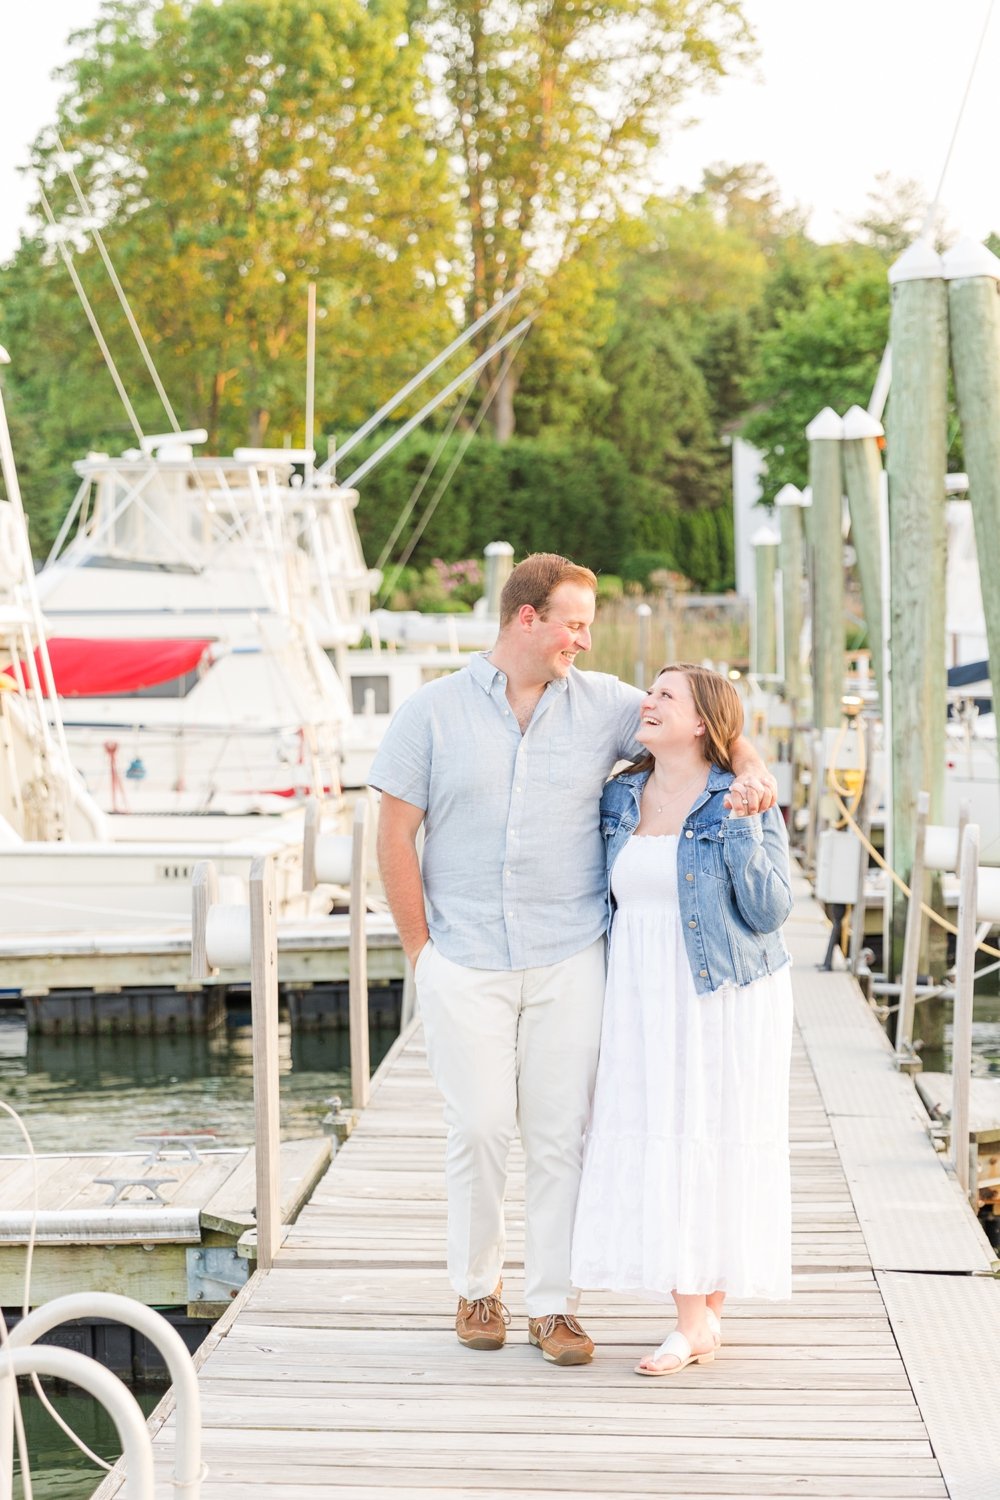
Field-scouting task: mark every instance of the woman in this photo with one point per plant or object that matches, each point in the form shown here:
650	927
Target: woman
685	1188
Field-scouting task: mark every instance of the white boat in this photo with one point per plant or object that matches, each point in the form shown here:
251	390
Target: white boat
61	870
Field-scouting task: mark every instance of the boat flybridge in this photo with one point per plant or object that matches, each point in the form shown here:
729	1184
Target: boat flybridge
212	639
192	683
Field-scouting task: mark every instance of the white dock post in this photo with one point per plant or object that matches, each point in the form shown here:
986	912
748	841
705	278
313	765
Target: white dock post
499	566
917	454
973	274
961	1032
912	941
204	895
358	960
764	660
791	559
247	935
862	481
825	432
863	818
266	1075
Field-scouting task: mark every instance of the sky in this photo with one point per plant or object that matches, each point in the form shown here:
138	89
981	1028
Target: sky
840	92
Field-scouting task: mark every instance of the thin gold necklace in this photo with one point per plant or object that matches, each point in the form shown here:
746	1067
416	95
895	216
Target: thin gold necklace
670	796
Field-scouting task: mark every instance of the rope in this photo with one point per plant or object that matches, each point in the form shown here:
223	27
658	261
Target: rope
929	218
22	1444
897	880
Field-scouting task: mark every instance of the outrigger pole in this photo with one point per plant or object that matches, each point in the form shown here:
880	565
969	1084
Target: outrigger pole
411	385
435	401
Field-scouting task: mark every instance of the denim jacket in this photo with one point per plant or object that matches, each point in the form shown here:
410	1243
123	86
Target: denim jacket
732	879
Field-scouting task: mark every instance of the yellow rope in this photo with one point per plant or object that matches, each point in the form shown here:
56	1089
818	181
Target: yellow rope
897	879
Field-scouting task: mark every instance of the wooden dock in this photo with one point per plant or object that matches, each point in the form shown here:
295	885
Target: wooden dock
337	1372
175	1232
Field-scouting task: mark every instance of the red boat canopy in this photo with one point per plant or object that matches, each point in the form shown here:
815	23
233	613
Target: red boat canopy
95	668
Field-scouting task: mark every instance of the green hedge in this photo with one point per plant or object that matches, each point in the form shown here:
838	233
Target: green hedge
578	498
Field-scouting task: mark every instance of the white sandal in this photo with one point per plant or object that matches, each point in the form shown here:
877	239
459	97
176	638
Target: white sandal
676	1344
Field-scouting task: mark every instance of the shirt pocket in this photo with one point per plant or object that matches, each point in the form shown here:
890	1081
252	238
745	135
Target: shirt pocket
708	847
563	761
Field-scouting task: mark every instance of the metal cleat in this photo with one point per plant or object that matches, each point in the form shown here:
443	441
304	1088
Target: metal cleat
161	1142
122	1184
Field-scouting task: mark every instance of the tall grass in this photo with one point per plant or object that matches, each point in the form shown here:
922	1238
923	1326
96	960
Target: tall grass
678	630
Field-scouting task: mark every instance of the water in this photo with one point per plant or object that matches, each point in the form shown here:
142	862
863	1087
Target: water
58	1470
98	1093
985	1042
83	1093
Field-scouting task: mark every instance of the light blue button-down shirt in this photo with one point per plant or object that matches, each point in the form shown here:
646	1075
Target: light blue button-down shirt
513	863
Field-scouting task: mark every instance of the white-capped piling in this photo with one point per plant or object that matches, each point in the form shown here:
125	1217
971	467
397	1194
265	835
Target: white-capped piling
973	276
765	636
917	449
825	433
863	482
789	504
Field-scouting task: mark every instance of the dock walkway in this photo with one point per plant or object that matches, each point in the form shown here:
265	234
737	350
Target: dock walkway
337	1373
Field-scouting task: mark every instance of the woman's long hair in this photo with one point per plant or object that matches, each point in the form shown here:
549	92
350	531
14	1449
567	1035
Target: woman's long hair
718	706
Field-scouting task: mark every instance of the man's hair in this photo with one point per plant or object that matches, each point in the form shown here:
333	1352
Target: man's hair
719	707
535	580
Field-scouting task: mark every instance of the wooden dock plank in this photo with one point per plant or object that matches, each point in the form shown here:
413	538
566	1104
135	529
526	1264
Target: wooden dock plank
338	1374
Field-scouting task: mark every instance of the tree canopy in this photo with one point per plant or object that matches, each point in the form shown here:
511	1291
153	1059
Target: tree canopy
413	159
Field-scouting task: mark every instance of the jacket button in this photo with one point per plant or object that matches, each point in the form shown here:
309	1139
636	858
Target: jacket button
702	973
692	923
689	876
688	834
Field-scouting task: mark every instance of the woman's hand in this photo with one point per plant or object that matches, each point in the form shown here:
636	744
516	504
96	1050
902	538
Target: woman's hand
751	793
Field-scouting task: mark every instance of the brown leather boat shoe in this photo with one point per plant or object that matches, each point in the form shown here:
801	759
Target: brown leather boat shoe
561	1339
482	1323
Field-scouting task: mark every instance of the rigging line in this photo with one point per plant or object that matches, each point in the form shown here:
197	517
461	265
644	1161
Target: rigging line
403	432
91	318
122	298
457	458
432	463
928	220
418	379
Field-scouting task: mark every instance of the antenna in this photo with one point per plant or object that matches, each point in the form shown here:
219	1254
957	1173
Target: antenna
310	375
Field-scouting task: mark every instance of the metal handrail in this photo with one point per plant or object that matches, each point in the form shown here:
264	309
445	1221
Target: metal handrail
112	1393
187	1454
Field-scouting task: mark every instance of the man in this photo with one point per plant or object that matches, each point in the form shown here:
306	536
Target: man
503	762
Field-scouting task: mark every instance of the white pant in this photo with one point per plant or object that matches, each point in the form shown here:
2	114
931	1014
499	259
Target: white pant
513	1048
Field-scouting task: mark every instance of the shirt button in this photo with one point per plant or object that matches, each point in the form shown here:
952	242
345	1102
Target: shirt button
688	834
692	923
688	877
702	973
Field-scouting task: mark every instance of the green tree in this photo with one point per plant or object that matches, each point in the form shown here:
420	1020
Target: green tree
233	153
551	109
825	352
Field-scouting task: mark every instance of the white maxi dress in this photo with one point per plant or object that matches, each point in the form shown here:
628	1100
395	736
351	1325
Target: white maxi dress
685	1179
